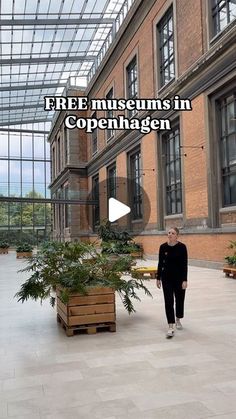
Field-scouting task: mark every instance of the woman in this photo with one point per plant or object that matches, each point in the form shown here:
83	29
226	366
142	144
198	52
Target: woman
172	274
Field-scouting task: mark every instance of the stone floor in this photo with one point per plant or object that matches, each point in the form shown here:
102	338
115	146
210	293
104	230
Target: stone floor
134	373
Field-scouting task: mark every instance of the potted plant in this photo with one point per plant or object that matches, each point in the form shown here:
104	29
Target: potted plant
4	246
116	242
230	268
137	251
85	292
24	250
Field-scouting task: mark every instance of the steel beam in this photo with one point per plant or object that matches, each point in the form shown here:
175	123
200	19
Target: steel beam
24	121
56	22
30	131
39	60
32	87
48	200
21	106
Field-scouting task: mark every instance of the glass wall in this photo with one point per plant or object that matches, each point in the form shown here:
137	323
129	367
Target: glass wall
24	173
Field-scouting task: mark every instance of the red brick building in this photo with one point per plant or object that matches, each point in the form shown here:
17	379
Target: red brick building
164	48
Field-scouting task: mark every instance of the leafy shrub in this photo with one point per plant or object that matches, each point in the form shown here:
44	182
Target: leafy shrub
24	247
231	259
4	244
117	242
61	265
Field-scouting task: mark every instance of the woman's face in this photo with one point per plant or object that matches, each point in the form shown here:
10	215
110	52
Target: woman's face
172	235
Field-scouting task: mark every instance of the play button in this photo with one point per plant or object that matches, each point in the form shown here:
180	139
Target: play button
117	209
122	201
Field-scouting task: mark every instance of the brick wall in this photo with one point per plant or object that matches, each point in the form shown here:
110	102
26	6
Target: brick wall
189	33
194	165
200	246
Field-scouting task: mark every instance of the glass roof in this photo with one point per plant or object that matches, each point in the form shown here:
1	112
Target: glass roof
46	44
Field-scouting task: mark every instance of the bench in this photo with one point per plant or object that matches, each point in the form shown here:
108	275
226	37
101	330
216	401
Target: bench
143	271
230	271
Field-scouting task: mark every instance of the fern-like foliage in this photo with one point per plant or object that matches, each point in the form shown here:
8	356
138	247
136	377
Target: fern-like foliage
75	268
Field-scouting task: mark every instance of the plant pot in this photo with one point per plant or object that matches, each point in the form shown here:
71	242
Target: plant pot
230	270
21	255
138	254
88	312
3	250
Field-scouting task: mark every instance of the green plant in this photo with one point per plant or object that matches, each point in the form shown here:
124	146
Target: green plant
116	242
231	259
61	265
4	244
24	247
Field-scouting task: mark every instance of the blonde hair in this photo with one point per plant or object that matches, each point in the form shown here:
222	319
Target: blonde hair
175	229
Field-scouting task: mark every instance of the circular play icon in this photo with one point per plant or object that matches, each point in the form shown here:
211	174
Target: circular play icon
122	201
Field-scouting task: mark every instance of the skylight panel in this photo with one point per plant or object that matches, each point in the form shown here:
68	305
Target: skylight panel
6	35
48	34
51	40
31	6
6	49
43	6
55	7
6	7
67	6
77	6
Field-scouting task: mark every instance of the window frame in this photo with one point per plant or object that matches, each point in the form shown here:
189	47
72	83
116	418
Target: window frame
94	137
111	191
134	174
170	160
110	114
95	196
215	16
228	170
169	13
129	82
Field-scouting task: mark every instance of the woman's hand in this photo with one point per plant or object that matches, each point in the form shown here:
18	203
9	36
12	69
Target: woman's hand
184	285
158	283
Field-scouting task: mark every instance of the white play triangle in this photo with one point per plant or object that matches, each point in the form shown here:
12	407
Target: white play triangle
116	210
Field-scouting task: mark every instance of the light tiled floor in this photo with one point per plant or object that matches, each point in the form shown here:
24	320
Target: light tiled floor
134	373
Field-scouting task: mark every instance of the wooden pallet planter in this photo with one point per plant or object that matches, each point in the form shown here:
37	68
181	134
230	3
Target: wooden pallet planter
3	251
230	271
137	255
88	313
143	271
87	329
21	255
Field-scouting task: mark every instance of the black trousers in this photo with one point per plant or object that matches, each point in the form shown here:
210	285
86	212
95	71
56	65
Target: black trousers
173	293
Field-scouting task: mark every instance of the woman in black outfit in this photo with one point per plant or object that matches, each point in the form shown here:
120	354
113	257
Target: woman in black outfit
172	274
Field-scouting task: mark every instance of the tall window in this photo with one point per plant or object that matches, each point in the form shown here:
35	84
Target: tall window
109	114
67	211
173	185
228	149
58	155
53	163
166	48
135	185
111	182
25	172
94	138
95	197
223	12
65	145
132	82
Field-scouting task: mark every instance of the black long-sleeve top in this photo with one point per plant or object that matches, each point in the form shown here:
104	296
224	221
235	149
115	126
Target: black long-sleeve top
173	262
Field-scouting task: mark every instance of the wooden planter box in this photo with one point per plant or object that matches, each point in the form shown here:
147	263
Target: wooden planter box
3	250
138	254
21	255
230	271
88	312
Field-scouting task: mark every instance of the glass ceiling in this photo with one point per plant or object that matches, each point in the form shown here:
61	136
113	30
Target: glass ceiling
46	44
